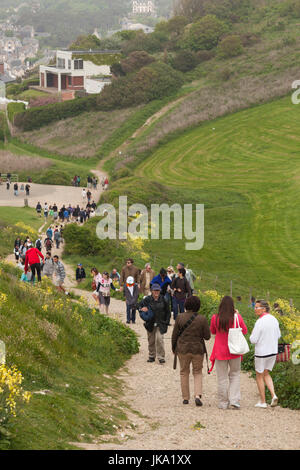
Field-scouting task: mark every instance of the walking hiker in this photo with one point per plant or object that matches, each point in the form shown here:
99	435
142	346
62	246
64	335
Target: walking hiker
32	259
39	209
48	266
155	311
48	244
163	280
103	288
146	277
229	393
80	273
49	232
189	333
190	276
38	244
60	274
129	270
57	237
46	210
131	292
83	193
16	187
27	189
182	290
95	282
265	336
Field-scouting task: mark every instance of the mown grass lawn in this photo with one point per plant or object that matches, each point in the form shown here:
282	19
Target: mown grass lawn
245	168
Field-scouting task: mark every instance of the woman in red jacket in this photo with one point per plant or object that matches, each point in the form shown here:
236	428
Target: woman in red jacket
32	258
228	365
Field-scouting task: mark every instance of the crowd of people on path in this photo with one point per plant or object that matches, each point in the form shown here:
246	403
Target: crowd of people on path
34	264
171	292
156	297
70	213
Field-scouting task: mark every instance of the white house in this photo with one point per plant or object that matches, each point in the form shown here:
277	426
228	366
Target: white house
74	73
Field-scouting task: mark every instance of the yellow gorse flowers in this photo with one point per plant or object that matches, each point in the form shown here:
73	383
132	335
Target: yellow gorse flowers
11	392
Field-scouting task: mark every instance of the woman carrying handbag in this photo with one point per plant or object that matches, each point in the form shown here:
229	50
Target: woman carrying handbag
189	333
228	365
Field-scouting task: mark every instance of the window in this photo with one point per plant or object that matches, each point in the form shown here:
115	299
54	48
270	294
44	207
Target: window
78	64
69	64
61	63
69	80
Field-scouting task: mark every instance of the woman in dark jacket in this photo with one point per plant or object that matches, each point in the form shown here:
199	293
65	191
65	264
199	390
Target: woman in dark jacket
190	331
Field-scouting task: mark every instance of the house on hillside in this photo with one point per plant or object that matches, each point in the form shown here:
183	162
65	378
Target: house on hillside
87	71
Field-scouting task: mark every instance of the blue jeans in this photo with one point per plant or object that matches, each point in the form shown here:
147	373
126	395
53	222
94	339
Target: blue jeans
130	313
178	303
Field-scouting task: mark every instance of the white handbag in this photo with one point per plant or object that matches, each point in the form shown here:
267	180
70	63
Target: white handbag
237	342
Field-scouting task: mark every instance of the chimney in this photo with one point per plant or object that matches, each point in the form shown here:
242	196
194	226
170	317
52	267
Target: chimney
1	68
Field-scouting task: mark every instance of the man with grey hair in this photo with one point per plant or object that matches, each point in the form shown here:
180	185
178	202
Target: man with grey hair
147	275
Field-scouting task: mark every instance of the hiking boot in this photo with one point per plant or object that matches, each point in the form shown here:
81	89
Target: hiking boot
162	361
151	359
185	402
198	401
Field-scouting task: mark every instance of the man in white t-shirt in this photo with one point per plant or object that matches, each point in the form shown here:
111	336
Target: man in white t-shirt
265	336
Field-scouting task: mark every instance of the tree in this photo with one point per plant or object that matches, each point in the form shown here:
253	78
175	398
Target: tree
135	61
185	61
230	46
204	34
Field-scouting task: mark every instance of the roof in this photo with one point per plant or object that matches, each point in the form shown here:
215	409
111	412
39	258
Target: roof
5	78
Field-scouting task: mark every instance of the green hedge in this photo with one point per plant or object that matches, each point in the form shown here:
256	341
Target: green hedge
35	118
13	109
17	88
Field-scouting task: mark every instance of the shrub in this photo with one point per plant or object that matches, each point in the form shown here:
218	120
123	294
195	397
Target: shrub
136	61
204	34
37	117
230	46
185	61
203	56
13	109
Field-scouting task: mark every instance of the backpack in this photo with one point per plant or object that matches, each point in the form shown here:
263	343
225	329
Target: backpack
38	244
146	316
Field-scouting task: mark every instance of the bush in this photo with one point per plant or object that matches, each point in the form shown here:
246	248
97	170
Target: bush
37	117
136	61
13	109
230	46
185	61
203	56
152	82
204	34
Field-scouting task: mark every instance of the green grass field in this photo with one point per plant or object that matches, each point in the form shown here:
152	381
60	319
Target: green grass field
245	168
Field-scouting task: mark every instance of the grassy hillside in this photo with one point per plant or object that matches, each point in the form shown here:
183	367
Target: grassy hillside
67	356
244	168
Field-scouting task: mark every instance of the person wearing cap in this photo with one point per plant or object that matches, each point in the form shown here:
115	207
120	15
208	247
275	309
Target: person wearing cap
131	292
157	324
32	259
80	273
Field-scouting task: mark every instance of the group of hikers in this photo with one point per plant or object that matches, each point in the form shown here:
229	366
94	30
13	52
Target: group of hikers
34	264
172	292
71	213
92	182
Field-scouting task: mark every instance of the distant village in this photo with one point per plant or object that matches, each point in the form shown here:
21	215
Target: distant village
19	53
